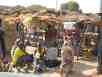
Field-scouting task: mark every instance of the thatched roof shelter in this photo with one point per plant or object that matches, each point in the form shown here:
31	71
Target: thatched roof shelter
78	17
48	19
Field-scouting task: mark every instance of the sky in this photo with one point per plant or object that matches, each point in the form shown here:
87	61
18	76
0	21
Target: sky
88	6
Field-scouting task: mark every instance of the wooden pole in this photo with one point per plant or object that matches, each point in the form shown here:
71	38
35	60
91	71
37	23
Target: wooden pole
56	4
99	69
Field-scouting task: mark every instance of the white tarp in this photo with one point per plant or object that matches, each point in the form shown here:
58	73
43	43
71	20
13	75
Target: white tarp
69	25
7	74
52	53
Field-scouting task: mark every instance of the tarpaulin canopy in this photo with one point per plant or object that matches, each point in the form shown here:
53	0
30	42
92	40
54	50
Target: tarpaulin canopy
69	25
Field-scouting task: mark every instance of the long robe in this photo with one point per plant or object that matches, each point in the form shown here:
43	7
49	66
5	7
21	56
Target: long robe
2	44
67	60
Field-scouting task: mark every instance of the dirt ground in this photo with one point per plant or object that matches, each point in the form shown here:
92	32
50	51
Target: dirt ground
81	69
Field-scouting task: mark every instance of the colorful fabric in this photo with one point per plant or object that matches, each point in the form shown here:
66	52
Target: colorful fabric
40	52
25	59
17	54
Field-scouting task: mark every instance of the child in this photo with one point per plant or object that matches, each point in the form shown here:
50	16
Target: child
67	60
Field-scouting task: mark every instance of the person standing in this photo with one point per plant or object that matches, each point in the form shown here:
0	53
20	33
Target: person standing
20	30
67	58
99	56
2	42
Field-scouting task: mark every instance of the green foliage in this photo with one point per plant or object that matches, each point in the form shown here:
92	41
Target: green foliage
70	6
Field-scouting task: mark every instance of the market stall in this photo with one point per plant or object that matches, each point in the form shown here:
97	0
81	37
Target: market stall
46	31
88	37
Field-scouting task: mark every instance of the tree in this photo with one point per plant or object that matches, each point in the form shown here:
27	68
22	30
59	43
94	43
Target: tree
70	6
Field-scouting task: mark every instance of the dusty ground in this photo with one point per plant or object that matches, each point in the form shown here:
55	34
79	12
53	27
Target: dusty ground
81	69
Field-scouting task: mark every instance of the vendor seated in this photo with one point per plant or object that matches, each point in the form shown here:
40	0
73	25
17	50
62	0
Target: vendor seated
19	56
39	58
